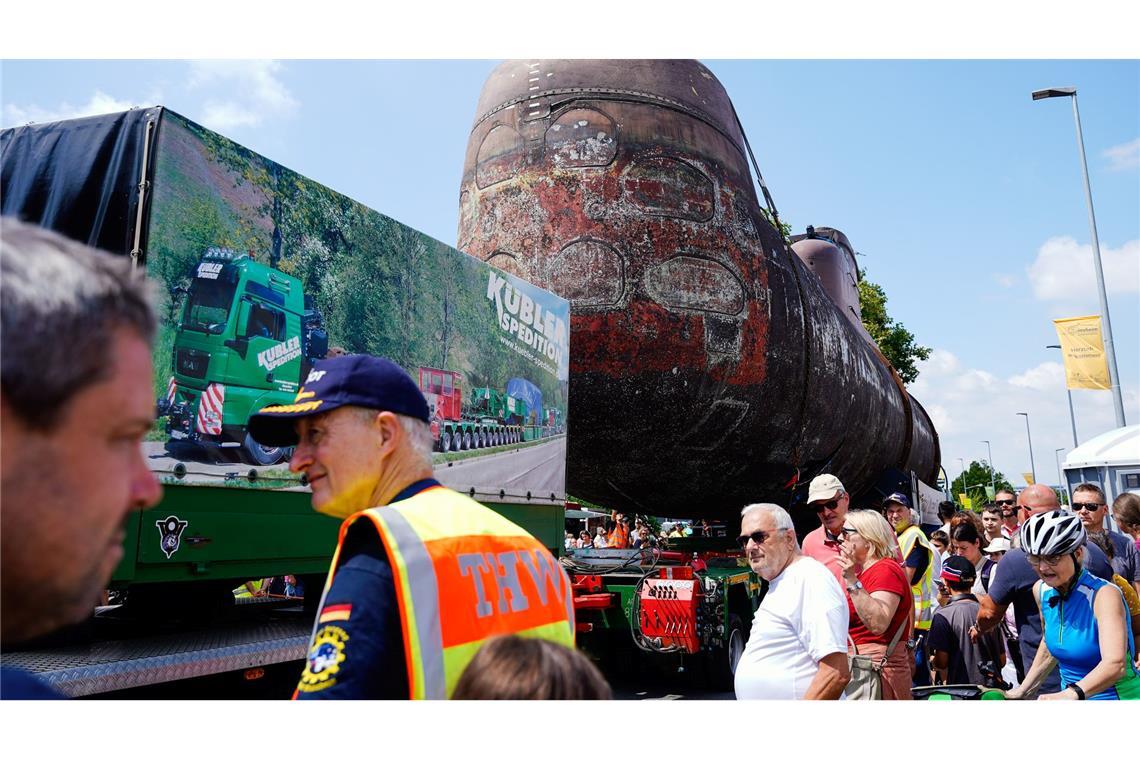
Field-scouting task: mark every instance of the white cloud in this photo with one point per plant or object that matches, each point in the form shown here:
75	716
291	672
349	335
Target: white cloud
969	405
1048	376
99	103
228	114
250	93
1005	280
1063	270
1123	157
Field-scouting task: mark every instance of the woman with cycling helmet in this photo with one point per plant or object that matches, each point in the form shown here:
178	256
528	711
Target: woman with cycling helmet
1083	617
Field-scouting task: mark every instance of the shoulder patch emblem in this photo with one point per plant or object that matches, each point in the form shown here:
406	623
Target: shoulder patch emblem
324	660
170	532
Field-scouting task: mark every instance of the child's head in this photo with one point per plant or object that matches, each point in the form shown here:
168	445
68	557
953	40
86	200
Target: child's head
940	540
516	667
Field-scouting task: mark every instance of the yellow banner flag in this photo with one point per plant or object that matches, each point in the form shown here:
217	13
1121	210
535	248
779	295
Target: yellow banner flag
967	502
1083	350
1028	477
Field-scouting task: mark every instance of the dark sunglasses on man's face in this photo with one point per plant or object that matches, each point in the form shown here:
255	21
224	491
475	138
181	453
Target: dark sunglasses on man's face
826	505
1086	506
1004	502
759	537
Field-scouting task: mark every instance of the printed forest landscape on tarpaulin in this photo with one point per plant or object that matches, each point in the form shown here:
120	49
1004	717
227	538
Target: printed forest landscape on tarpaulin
264	271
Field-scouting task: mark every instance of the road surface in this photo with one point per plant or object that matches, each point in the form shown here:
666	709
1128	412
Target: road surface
517	470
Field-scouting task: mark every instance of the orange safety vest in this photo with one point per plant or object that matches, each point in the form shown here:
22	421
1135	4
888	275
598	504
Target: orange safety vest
463	575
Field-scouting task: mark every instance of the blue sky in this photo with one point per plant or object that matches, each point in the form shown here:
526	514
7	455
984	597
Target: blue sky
964	195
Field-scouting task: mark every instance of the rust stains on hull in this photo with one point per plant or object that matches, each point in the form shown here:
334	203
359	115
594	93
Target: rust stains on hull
707	368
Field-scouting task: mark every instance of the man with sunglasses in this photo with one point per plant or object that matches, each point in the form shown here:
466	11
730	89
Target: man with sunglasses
1006	501
829	498
1012	582
1090	505
798	645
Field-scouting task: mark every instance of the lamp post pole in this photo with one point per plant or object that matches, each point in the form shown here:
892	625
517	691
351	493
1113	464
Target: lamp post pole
1069	391
990	455
1060	480
1028	437
1109	346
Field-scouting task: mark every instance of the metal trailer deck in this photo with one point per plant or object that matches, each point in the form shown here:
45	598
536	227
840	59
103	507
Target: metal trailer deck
98	665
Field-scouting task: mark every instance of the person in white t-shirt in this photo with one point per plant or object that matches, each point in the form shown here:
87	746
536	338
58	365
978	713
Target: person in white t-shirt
798	645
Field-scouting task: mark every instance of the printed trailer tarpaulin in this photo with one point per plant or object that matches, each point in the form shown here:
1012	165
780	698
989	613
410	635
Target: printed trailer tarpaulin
263	271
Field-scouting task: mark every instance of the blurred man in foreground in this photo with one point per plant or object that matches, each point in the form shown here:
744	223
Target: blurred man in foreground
76	400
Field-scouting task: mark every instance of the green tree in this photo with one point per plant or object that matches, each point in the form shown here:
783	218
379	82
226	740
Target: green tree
896	342
977	480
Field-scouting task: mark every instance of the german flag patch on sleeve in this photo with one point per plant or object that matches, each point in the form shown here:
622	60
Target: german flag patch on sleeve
335	613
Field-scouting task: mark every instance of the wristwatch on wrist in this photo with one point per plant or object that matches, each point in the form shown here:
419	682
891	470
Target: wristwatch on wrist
1080	692
856	586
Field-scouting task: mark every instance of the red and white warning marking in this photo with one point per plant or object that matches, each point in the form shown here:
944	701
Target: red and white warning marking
171	390
210	409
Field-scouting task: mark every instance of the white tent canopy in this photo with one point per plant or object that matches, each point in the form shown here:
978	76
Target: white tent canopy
1120	446
1111	460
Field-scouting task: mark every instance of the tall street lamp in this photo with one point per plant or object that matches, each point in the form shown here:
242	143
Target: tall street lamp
990	459
1032	467
1060	480
1072	417
1109	348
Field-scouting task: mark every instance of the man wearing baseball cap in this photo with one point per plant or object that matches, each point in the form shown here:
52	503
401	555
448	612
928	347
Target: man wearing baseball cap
829	499
422	576
918	564
958	658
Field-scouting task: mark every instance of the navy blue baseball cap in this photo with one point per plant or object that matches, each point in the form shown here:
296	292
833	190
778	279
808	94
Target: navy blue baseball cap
372	382
901	498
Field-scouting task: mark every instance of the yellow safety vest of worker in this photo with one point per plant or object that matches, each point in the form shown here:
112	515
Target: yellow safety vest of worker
243	592
923	587
463	574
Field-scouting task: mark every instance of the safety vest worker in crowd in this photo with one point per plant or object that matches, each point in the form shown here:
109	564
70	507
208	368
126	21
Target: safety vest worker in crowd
918	564
422	576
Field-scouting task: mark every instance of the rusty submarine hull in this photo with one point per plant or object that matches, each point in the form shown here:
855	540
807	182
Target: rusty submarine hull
710	367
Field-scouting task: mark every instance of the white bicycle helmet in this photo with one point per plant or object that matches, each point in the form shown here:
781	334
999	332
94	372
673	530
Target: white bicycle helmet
1053	532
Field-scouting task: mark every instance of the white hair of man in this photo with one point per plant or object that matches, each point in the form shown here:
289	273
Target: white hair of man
419	438
779	516
417	431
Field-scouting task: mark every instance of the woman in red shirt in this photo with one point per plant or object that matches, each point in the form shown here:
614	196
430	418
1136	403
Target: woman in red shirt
879	598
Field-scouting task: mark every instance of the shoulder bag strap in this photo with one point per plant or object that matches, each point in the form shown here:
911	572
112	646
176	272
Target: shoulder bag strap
894	643
987	571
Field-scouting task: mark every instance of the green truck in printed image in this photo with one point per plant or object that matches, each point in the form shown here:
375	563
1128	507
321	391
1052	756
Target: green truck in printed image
246	338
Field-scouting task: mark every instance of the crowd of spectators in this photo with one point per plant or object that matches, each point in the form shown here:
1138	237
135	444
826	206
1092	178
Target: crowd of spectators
994	600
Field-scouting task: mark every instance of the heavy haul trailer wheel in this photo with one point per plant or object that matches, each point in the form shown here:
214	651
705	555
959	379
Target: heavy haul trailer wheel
721	661
254	453
467	440
457	441
445	441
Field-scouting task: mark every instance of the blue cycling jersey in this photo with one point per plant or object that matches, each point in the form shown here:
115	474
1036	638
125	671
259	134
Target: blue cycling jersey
1073	636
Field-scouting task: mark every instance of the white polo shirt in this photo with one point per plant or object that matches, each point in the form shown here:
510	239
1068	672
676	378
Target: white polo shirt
802	619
